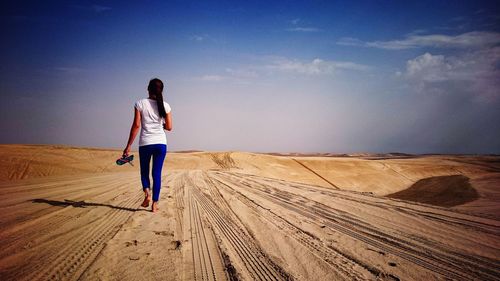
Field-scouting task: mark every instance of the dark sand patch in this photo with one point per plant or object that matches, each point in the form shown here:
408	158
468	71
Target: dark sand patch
445	191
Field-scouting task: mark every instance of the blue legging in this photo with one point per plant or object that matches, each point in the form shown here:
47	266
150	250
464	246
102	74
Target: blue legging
158	151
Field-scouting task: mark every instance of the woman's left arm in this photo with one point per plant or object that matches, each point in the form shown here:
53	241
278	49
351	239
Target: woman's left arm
136	124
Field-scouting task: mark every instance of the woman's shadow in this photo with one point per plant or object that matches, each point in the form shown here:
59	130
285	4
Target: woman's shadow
82	204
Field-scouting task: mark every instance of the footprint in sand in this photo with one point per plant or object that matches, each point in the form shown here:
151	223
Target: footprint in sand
134	242
133	257
163	233
177	244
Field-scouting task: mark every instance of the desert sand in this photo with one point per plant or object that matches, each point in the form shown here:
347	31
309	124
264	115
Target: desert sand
70	213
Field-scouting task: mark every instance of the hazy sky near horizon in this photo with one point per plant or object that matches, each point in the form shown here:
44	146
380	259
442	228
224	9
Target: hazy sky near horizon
281	76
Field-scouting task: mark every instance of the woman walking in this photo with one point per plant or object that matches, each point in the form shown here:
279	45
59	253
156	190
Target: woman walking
152	115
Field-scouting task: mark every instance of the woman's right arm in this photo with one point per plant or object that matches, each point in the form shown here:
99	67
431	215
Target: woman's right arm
136	125
168	122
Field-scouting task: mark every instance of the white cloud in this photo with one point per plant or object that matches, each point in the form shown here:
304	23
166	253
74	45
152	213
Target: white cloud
304	29
474	39
212	78
476	72
99	8
350	41
428	67
197	38
94	8
296	28
201	37
249	73
315	67
416	32
350	65
242	73
68	69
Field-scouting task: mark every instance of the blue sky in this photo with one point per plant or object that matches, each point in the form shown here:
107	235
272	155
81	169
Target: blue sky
312	76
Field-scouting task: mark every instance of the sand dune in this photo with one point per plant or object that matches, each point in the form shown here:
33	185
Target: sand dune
34	161
72	214
444	191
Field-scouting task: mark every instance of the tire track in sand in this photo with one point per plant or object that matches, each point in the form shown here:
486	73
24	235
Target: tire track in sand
344	265
316	173
178	193
22	226
201	254
446	263
446	216
248	255
68	261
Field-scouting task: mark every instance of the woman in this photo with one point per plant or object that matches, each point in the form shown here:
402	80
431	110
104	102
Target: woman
152	115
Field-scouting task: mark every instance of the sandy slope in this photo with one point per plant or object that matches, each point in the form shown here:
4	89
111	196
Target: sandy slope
70	213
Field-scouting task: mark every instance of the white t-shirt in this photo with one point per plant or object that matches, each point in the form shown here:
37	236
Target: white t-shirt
151	122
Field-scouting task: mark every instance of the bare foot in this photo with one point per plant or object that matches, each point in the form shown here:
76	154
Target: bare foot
145	203
154	207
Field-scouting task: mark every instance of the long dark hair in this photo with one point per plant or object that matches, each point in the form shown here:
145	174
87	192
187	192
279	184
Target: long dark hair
155	88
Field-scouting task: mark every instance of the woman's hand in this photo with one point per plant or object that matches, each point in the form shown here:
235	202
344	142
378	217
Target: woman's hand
126	151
